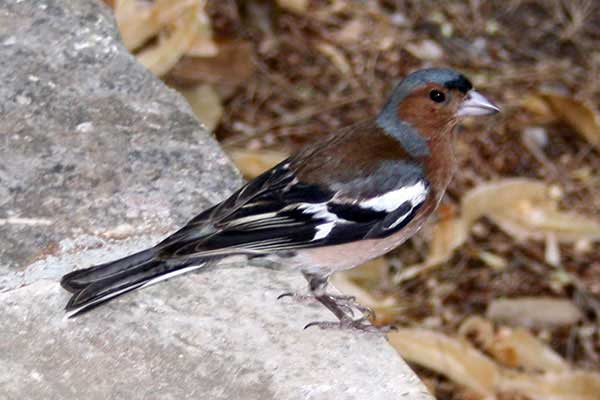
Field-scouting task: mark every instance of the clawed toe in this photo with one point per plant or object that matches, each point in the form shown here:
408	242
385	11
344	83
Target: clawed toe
350	303
346	304
361	324
286	294
344	307
298	297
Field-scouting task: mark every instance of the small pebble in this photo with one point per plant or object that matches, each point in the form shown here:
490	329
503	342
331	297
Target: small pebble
536	135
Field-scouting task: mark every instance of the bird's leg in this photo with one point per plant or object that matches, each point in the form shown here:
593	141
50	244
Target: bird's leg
318	285
313	288
341	306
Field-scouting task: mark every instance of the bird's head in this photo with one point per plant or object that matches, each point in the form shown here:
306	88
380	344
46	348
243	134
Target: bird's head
431	101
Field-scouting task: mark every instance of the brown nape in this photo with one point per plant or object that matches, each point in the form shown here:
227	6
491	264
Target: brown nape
356	146
427	116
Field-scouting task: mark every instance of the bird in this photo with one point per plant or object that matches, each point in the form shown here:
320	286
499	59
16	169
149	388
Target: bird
335	204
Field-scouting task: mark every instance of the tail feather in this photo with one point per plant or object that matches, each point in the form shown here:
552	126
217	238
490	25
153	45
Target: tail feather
80	279
96	285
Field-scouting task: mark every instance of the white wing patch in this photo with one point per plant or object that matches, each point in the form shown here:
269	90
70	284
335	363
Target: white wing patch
389	202
415	194
320	211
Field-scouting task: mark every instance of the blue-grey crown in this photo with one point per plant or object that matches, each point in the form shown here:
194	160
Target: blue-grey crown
442	76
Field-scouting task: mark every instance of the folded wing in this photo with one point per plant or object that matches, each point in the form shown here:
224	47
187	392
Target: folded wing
278	212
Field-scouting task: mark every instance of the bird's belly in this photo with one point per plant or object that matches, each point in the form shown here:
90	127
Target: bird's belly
327	260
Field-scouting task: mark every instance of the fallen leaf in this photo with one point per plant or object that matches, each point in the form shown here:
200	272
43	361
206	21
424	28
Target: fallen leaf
493	197
205	103
523	208
575	385
513	347
203	44
478	329
455	358
425	50
160	58
447	236
335	55
465	365
371	270
519	348
540	108
296	6
231	66
581	116
139	21
352	32
493	260
534	312
254	162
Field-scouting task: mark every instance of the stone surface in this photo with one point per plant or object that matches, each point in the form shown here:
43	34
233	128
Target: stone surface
89	139
98	159
218	334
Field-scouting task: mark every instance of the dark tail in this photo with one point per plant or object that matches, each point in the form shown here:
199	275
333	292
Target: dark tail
96	285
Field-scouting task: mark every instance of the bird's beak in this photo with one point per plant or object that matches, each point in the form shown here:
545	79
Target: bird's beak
475	104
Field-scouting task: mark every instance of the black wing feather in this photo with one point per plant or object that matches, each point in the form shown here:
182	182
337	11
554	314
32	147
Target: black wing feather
277	212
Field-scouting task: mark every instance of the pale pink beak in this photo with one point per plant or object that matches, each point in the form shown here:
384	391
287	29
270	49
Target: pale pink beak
476	104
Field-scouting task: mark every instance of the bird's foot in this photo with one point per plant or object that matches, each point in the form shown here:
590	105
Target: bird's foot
301	298
360	324
347	303
343	307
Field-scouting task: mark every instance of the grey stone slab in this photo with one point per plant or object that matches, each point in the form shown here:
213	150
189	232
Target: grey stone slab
89	139
219	334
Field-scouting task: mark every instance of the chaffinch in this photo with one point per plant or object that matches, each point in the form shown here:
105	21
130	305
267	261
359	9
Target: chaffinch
334	205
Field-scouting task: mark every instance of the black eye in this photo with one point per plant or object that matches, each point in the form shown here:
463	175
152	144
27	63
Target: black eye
437	96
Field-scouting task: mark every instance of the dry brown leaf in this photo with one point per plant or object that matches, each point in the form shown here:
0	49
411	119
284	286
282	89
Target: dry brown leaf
493	197
139	21
371	270
523	208
203	44
352	32
296	6
465	365
514	348
576	385
538	107
478	329
455	358
581	116
447	236
519	348
231	66
205	103
254	162
492	260
160	58
425	50
335	55
534	312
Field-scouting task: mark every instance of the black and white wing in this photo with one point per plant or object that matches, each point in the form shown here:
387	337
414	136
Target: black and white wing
278	212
